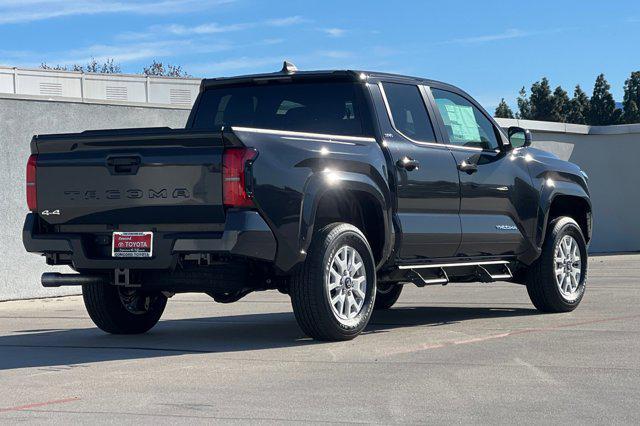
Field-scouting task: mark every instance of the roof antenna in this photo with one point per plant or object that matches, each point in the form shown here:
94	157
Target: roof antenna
288	68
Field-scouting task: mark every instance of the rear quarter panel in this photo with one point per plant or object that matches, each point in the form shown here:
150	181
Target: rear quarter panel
293	171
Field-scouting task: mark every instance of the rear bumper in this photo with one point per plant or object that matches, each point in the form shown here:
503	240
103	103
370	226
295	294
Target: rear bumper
245	234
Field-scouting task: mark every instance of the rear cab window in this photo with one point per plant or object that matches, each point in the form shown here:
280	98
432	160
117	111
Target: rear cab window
316	107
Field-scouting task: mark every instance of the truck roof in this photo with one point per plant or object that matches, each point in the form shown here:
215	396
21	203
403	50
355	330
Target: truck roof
290	72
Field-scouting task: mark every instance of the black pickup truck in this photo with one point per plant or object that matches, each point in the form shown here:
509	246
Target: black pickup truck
334	187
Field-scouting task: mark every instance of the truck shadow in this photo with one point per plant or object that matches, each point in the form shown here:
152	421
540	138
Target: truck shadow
60	349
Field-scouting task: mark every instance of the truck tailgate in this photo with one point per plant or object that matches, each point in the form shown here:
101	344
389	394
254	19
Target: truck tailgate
130	176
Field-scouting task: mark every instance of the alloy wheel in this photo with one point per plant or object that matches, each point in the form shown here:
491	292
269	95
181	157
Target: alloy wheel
568	267
346	284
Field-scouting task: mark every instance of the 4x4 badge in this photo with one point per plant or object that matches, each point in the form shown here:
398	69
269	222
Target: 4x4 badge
50	212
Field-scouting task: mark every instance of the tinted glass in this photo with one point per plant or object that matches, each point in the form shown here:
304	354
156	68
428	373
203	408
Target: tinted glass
332	108
466	124
408	111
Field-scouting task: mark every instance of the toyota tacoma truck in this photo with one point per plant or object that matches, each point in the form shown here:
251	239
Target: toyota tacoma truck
334	187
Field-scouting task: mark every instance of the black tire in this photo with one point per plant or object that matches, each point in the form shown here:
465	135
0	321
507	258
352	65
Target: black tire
106	307
541	281
387	295
310	295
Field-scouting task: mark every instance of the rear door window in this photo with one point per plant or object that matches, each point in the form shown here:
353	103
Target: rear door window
408	111
319	107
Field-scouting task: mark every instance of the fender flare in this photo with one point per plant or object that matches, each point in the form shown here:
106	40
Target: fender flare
548	195
322	183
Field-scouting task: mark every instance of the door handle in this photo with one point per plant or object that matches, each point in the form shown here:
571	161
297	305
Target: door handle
123	165
408	163
467	167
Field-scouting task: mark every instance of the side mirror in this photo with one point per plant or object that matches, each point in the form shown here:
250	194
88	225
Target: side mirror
519	137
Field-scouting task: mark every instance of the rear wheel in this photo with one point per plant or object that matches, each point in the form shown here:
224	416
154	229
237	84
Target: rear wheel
556	281
121	310
387	295
334	292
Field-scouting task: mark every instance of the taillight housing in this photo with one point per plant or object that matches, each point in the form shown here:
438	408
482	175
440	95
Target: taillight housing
235	165
32	202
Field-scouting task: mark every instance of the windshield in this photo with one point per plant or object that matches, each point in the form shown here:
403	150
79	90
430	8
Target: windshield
319	107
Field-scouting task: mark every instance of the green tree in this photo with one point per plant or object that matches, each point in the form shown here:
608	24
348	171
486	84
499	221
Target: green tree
160	69
560	109
524	106
631	102
632	113
503	110
578	107
602	107
541	101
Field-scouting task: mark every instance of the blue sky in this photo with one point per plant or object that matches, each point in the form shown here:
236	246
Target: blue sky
489	48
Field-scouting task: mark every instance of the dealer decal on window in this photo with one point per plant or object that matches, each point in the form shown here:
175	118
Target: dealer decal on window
461	120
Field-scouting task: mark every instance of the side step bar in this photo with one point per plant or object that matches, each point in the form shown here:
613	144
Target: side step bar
488	274
485	271
451	265
440	278
423	278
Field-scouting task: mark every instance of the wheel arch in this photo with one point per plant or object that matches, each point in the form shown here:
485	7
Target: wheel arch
350	198
575	206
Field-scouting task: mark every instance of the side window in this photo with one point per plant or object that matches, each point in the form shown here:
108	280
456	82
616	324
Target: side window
465	124
409	113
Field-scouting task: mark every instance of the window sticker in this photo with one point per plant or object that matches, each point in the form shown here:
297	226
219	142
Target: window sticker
461	120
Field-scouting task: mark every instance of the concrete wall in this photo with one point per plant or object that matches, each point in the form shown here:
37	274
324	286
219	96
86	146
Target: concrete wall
91	87
19	121
609	155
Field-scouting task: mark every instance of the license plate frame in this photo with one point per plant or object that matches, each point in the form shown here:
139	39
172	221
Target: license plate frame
138	245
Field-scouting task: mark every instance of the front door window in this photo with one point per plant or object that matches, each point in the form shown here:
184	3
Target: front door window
465	124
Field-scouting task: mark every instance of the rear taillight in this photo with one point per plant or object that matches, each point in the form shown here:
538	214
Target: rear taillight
31	183
235	163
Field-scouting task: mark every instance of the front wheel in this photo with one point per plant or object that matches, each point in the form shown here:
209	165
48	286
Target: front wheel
556	281
121	310
334	292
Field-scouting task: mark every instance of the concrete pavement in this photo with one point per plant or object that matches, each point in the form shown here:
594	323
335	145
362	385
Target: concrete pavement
465	353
